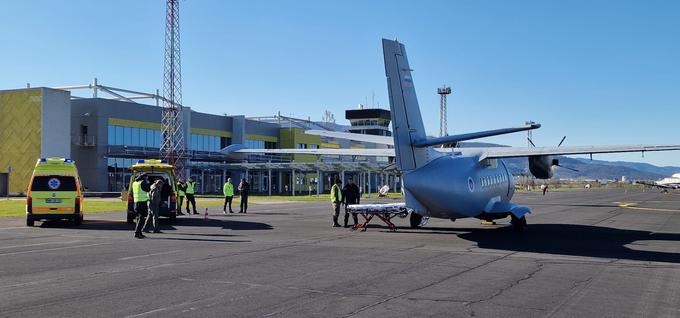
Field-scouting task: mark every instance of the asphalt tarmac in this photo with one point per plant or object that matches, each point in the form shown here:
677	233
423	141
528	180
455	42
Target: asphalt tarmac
586	253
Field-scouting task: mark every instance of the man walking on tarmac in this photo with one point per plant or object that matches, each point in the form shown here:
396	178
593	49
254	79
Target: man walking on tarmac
228	190
191	187
351	195
154	205
181	189
140	189
336	200
244	189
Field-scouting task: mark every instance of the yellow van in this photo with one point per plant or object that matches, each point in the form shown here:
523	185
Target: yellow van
155	169
54	192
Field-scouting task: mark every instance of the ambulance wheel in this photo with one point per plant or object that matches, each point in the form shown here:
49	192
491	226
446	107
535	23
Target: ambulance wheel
78	220
130	219
415	220
29	221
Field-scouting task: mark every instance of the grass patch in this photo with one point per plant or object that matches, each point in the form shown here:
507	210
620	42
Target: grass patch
17	207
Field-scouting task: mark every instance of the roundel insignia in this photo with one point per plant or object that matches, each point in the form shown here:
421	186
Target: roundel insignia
471	184
54	183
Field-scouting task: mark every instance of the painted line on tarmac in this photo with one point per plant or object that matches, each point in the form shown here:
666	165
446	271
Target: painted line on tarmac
147	255
14	228
38	244
633	206
53	249
650	209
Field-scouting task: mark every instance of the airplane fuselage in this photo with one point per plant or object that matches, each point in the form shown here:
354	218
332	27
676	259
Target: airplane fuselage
455	187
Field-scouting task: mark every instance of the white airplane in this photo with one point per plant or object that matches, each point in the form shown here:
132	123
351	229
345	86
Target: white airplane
449	183
666	183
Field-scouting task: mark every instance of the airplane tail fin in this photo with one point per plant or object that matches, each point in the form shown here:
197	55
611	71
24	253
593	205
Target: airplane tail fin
407	123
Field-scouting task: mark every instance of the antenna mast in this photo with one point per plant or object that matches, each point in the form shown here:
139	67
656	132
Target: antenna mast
172	146
443	92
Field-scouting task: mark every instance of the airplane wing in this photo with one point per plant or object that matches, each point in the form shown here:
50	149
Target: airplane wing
383	140
510	152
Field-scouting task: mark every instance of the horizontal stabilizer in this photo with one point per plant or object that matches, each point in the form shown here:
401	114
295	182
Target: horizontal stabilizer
474	135
505	207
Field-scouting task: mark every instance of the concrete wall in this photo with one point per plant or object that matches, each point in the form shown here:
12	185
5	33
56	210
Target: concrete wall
56	123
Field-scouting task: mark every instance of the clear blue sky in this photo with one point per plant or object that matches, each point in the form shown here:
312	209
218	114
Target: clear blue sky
600	72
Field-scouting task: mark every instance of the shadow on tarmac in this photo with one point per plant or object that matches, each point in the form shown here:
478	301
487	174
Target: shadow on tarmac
575	240
560	239
165	225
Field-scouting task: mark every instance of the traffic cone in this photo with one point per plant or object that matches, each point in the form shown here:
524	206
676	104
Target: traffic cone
206	214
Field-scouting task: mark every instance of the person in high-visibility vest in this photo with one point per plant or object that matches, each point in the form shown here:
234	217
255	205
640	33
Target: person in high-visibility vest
336	200
140	190
181	189
191	188
228	190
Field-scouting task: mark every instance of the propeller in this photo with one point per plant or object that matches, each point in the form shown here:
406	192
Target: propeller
561	141
559	165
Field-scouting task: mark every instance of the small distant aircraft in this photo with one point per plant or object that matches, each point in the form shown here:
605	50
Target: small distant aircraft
666	183
449	183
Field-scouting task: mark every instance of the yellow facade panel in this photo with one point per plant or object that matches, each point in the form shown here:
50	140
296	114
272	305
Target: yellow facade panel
262	137
211	132
134	123
20	135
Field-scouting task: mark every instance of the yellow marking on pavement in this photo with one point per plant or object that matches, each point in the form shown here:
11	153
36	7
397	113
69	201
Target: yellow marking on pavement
633	206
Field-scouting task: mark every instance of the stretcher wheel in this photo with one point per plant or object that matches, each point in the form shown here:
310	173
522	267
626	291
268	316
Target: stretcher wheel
415	220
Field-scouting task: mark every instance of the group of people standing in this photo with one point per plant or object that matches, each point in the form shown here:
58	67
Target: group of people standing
228	191
349	194
187	189
147	198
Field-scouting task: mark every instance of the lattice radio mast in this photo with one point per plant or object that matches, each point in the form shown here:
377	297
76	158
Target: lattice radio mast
443	92
172	147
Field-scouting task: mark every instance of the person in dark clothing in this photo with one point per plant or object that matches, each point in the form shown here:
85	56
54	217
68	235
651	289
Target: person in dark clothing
140	190
244	189
351	195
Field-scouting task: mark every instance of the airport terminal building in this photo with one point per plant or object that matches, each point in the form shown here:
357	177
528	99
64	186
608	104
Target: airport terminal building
105	136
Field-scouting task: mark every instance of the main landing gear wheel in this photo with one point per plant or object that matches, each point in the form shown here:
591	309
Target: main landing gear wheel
415	220
519	224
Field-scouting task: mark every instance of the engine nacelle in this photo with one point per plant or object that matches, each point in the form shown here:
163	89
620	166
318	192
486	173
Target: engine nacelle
542	166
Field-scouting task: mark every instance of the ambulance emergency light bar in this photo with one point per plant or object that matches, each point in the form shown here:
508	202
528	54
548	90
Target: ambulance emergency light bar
152	161
55	160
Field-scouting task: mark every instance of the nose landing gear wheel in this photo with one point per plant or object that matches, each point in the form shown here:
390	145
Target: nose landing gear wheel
415	220
518	224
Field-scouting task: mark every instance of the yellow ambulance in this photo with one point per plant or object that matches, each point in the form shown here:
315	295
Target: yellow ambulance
155	169
54	192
